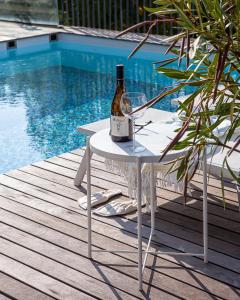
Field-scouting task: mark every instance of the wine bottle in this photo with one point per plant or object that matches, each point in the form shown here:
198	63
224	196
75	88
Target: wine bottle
121	126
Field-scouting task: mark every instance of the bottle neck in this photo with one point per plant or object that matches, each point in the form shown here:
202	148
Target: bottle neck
120	82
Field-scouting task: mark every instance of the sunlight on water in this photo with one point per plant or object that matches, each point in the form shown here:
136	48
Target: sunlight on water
44	96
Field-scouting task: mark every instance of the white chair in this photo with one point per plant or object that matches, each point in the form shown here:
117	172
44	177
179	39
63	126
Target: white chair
215	163
215	167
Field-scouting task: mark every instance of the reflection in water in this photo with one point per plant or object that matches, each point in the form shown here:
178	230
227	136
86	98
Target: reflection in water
40	109
28	11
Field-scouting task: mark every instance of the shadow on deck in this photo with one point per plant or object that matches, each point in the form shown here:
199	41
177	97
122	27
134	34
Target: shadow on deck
43	239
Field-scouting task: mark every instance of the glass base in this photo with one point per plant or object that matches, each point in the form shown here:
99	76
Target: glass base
138	149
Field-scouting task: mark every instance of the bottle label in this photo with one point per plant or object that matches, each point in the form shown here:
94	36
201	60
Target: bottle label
119	126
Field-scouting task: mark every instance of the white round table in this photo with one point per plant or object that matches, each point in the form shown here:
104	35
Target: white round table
154	138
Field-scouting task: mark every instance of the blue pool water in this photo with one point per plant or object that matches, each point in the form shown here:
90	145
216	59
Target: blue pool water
46	94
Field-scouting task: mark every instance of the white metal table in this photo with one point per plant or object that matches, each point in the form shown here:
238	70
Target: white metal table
155	137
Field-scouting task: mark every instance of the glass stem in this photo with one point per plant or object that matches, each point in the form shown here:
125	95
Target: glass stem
134	136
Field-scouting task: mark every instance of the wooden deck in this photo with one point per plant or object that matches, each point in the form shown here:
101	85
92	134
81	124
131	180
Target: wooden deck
43	251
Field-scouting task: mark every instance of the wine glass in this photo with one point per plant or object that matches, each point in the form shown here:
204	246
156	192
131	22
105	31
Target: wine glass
130	104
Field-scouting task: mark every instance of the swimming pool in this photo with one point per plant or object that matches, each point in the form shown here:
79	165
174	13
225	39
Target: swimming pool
47	90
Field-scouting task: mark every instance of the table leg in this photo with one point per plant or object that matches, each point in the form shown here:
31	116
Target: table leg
139	207
81	172
153	198
89	212
238	193
205	209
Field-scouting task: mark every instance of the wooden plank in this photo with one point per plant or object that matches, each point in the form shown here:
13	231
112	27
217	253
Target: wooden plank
67	275
41	217
169	195
231	194
216	182
5	297
51	196
80	263
195	202
63	227
38	280
76	246
197	195
100	227
231	224
184	221
213	199
196	238
189	223
164	227
18	290
229	236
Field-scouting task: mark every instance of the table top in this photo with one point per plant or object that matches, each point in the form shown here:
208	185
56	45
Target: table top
154	138
152	114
